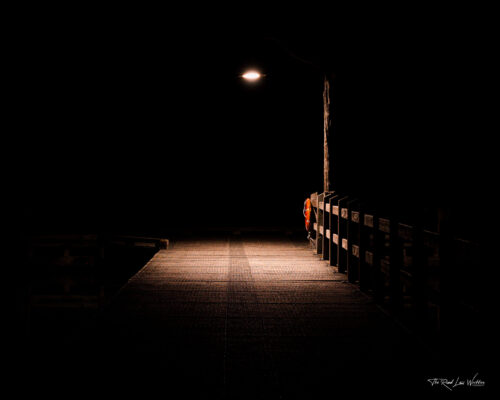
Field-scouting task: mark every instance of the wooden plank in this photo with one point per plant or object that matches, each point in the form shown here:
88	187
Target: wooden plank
355	250
335	210
369	220
314	200
144	244
326	225
384	225
405	232
141	238
369	258
333	225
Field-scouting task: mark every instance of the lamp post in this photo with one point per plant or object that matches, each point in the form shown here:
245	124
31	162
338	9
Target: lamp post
327	123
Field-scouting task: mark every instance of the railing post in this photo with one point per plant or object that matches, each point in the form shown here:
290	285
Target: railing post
326	225
334	224
353	239
342	232
319	225
369	258
389	268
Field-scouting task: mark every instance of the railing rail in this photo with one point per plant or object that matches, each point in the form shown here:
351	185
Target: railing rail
414	272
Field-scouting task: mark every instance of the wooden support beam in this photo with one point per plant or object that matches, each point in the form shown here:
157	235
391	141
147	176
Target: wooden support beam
326	134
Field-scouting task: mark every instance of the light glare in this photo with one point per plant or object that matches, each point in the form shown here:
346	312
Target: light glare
251	75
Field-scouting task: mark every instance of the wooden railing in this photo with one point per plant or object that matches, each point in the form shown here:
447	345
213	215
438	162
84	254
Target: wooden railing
403	266
67	270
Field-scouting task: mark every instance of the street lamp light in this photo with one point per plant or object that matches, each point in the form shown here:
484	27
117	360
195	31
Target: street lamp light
251	76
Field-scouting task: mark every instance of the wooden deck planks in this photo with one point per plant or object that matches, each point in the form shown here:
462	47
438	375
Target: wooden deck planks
261	315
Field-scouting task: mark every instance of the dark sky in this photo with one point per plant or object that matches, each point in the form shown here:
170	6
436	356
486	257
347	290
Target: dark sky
135	131
143	126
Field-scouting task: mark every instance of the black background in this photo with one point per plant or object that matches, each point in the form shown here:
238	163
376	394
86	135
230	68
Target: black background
143	124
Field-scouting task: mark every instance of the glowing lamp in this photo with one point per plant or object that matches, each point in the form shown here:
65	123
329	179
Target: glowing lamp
251	76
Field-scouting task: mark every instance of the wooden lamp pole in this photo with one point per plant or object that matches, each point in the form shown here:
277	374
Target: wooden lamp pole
326	134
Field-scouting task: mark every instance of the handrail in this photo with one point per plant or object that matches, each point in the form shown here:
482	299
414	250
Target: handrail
402	265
